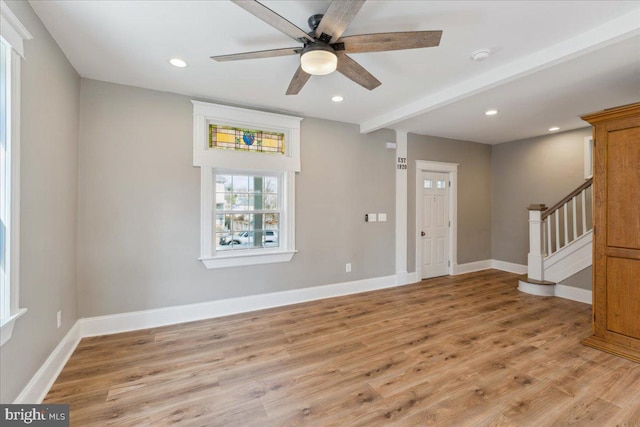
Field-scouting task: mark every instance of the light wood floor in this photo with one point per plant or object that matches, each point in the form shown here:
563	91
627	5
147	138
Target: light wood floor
454	351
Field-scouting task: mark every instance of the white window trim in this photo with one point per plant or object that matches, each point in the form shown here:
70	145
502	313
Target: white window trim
14	33
212	160
588	157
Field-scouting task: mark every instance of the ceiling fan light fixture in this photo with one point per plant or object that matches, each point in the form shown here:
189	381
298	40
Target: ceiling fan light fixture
318	59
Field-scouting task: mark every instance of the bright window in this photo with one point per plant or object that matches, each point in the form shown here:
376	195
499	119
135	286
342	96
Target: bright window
5	182
232	138
12	35
247	211
248	161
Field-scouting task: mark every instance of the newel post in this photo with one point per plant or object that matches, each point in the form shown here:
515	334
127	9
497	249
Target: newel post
536	254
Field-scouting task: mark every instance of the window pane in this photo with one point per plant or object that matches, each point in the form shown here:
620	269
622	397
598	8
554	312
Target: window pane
270	202
222	242
428	183
240	183
270	184
242	222
271	230
232	138
228	202
441	184
239	219
255	184
240	202
223	183
271	221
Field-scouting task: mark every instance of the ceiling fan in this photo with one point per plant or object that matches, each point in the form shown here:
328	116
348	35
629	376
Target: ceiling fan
325	50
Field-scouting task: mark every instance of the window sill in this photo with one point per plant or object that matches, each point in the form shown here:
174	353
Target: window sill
240	260
6	329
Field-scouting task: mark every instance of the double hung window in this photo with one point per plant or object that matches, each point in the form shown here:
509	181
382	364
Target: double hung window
12	35
248	161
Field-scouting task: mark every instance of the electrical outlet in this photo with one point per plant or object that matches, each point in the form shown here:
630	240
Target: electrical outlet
348	267
59	319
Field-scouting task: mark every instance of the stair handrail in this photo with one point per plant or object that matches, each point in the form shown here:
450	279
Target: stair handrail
568	198
540	218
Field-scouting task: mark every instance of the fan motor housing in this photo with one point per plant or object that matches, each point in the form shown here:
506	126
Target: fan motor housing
314	21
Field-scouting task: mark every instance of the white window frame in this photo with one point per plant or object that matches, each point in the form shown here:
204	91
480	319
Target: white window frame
13	33
588	157
215	160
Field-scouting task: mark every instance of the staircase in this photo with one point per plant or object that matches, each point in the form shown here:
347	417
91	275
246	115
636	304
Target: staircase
560	243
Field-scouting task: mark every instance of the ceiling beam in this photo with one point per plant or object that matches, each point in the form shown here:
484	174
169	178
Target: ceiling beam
611	32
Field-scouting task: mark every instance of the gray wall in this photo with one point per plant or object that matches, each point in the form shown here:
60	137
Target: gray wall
50	100
110	218
581	279
474	193
536	170
139	207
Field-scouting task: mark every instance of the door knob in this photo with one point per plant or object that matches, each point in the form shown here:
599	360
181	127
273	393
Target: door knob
422	233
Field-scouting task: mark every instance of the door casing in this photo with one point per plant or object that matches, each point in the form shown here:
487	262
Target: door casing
452	171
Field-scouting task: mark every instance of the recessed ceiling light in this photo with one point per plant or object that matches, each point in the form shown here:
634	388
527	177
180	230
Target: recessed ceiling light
491	112
480	54
337	98
553	129
177	62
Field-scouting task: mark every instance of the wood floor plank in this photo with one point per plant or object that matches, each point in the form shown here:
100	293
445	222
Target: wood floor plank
468	350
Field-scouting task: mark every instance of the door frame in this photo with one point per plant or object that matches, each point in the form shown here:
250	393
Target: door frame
451	169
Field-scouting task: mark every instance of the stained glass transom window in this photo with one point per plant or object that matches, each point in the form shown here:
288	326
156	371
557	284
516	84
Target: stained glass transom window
232	138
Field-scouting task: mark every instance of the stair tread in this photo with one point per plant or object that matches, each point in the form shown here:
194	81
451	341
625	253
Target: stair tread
525	278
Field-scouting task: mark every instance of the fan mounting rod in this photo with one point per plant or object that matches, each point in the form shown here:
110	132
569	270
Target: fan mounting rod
314	21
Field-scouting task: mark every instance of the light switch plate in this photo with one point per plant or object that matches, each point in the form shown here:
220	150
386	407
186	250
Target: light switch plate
382	217
372	217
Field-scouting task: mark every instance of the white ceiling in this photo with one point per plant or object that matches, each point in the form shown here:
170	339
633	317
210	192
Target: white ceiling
552	60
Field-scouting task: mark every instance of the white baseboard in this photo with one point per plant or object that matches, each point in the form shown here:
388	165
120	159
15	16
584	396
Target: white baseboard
39	386
573	293
559	290
509	266
472	266
37	389
489	263
413	277
405	278
132	321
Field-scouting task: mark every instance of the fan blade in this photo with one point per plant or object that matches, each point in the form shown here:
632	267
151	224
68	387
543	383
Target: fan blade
337	18
380	42
356	72
299	79
258	54
270	17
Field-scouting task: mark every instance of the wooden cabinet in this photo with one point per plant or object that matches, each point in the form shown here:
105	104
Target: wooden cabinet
616	218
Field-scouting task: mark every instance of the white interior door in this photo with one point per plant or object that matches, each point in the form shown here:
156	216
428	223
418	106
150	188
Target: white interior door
434	234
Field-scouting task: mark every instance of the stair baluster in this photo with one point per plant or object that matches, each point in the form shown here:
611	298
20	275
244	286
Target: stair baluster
545	238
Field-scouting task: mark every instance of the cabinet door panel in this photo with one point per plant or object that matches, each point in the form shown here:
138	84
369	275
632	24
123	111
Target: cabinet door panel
623	188
623	296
